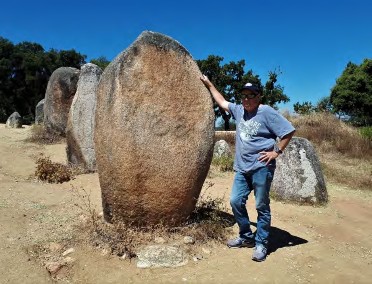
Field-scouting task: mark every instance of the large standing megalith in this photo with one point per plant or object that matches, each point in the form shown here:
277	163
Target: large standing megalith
81	119
154	133
58	98
298	176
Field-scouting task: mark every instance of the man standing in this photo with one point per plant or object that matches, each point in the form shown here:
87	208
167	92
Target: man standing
257	128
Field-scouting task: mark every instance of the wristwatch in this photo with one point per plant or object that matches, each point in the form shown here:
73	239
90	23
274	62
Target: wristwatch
277	149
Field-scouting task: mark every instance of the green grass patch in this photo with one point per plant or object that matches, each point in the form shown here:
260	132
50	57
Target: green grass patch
366	132
223	163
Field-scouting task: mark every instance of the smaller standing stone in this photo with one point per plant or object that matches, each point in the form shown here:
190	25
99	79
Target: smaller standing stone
188	240
39	112
221	149
59	94
81	119
298	176
14	120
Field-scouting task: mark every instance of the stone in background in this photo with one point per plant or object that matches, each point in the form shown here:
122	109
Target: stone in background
14	120
58	98
81	119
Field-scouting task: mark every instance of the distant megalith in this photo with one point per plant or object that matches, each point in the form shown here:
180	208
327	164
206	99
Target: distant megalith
81	119
221	149
154	133
14	120
58	98
298	176
39	112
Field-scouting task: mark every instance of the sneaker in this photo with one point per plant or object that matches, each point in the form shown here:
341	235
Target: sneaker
240	243
259	253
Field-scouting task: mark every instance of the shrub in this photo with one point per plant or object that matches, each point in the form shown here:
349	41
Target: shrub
40	135
51	172
208	222
366	132
223	163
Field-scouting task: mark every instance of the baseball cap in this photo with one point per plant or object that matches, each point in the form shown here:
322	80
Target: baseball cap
251	87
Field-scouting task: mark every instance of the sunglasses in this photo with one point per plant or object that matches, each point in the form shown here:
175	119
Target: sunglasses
249	96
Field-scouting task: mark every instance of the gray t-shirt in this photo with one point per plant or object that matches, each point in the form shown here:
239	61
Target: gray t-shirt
256	132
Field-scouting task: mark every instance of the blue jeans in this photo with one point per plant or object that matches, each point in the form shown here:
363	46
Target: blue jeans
258	180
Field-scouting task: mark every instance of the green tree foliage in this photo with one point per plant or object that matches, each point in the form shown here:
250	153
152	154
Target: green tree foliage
324	105
25	69
304	108
272	92
101	62
231	77
352	94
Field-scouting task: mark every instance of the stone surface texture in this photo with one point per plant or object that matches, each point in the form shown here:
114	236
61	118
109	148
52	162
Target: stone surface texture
154	133
155	256
14	120
298	176
81	119
39	112
221	149
58	98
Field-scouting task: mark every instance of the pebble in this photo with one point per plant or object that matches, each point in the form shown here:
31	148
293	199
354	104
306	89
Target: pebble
188	240
67	252
206	251
197	257
159	240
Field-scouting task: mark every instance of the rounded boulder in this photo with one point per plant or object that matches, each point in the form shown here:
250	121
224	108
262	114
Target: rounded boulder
153	134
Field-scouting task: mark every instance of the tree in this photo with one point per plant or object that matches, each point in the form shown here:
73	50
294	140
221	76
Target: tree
352	94
324	105
101	62
273	93
304	108
231	77
25	69
6	92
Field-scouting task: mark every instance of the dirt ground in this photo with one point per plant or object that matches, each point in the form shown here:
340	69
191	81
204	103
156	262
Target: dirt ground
331	244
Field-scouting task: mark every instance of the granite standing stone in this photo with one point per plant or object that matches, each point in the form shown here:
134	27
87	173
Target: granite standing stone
222	149
298	176
14	120
154	133
81	119
39	112
58	98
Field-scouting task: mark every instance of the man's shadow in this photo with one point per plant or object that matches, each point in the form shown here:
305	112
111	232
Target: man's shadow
278	238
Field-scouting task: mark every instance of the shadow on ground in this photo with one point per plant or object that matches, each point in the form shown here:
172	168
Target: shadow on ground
280	238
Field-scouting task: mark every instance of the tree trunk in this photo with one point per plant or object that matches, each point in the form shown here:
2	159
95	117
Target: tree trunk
226	117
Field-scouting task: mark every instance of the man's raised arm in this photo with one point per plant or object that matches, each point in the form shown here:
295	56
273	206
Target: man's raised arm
220	100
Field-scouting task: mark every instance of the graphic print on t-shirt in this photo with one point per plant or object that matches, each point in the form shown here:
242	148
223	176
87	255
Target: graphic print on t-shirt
248	129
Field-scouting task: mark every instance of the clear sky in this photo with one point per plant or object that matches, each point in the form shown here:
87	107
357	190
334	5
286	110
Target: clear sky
310	41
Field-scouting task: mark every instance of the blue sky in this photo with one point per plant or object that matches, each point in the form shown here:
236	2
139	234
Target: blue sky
309	41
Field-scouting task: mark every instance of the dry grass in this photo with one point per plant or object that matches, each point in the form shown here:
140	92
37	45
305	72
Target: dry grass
345	154
332	135
208	222
40	135
350	172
